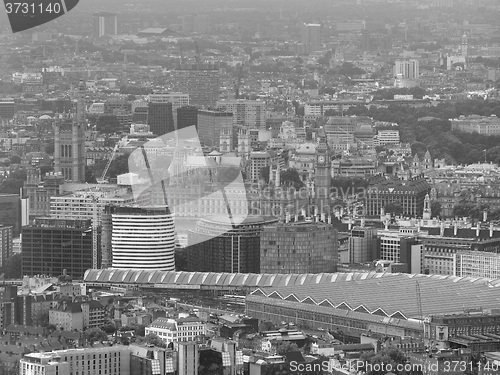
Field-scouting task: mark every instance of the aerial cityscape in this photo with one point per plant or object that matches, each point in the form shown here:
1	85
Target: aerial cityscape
226	187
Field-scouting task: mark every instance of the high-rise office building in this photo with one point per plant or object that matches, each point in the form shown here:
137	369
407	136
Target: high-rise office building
187	116
50	246
210	124
201	82
299	247
143	238
160	118
188	358
246	113
177	99
104	23
69	141
236	250
311	37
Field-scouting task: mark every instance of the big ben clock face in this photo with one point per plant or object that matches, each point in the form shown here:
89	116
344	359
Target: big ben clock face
321	159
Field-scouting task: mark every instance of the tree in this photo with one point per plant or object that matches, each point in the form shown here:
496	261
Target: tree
109	328
264	173
291	177
155	340
12	267
266	326
95	334
435	209
394	208
286	347
15	159
140	330
389	356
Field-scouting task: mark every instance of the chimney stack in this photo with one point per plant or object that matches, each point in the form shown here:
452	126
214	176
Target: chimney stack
386	224
485	216
350	224
441	231
329	219
491	230
363	222
323	217
478	227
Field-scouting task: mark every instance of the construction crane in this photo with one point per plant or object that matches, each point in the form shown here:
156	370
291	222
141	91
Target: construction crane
102	180
419	306
181	59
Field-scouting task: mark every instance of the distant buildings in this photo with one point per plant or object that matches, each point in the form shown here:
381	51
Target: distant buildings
406	73
298	247
477	124
311	37
201	82
50	246
246	113
143	238
103	24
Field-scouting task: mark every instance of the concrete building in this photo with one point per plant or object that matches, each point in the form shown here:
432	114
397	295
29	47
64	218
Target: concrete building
187	116
385	137
298	247
246	113
260	160
188	358
143	238
402	246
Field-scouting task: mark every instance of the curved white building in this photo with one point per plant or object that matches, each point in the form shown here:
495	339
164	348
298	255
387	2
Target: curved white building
143	238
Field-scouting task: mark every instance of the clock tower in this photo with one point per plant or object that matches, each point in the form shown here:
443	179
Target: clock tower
322	176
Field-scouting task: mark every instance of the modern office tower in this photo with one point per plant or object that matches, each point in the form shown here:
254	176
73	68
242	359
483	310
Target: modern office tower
104	23
299	247
10	213
69	142
160	118
50	246
246	113
311	37
187	116
143	238
188	358
210	124
107	360
236	250
200	81
362	245
5	244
